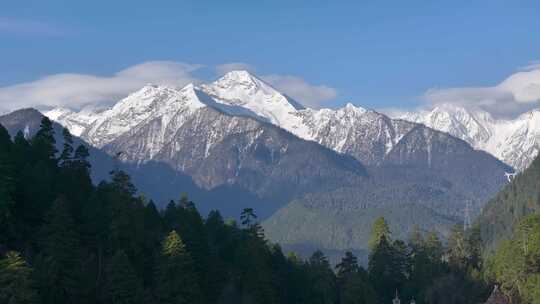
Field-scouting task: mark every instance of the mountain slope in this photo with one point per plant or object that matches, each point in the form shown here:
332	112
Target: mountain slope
153	179
516	200
514	141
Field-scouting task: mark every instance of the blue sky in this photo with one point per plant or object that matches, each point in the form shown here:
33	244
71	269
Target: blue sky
378	54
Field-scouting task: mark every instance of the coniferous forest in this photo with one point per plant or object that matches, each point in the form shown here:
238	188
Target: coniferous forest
65	240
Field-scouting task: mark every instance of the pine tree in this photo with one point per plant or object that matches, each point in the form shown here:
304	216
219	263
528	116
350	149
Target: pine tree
80	158
67	151
61	251
457	248
384	272
357	290
348	265
7	187
248	217
176	281
380	229
122	182
124	287
44	142
16	284
323	288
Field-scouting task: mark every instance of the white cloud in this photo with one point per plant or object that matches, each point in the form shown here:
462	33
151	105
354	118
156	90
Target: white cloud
533	65
234	66
514	95
303	92
77	90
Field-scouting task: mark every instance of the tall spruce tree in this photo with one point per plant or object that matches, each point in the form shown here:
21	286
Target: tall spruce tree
322	281
380	229
44	143
176	281
7	187
16	281
124	287
67	151
61	253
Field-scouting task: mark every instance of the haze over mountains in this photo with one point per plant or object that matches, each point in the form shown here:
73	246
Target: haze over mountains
318	177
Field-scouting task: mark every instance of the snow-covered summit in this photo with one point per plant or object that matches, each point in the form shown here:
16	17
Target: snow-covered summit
149	101
514	141
349	129
76	122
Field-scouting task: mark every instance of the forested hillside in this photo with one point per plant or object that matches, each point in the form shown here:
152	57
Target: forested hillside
65	240
516	264
518	199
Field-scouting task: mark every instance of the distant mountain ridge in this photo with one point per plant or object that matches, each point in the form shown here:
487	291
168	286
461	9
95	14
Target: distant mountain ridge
514	141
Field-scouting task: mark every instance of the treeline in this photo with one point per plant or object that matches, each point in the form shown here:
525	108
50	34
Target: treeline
65	240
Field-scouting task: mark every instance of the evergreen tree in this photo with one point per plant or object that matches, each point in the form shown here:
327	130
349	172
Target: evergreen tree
416	239
348	265
124	286
248	217
322	280
80	158
386	269
61	251
457	248
357	290
7	187
67	151
16	284
517	262
44	142
380	229
122	182
176	281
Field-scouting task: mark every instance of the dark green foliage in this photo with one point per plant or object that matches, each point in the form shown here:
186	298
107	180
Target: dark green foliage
322	280
517	262
106	244
354	285
123	284
67	151
7	186
44	142
61	253
518	199
16	282
176	280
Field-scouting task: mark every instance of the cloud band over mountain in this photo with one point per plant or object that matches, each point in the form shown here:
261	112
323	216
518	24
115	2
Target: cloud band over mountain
514	95
78	90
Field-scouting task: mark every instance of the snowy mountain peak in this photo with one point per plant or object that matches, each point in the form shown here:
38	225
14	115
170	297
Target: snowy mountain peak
514	141
237	84
351	107
57	113
239	76
240	89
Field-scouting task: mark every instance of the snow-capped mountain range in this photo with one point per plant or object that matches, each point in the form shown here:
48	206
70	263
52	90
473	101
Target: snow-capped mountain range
514	141
365	134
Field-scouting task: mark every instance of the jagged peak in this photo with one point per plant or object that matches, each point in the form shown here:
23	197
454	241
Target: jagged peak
351	107
56	113
245	81
239	75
